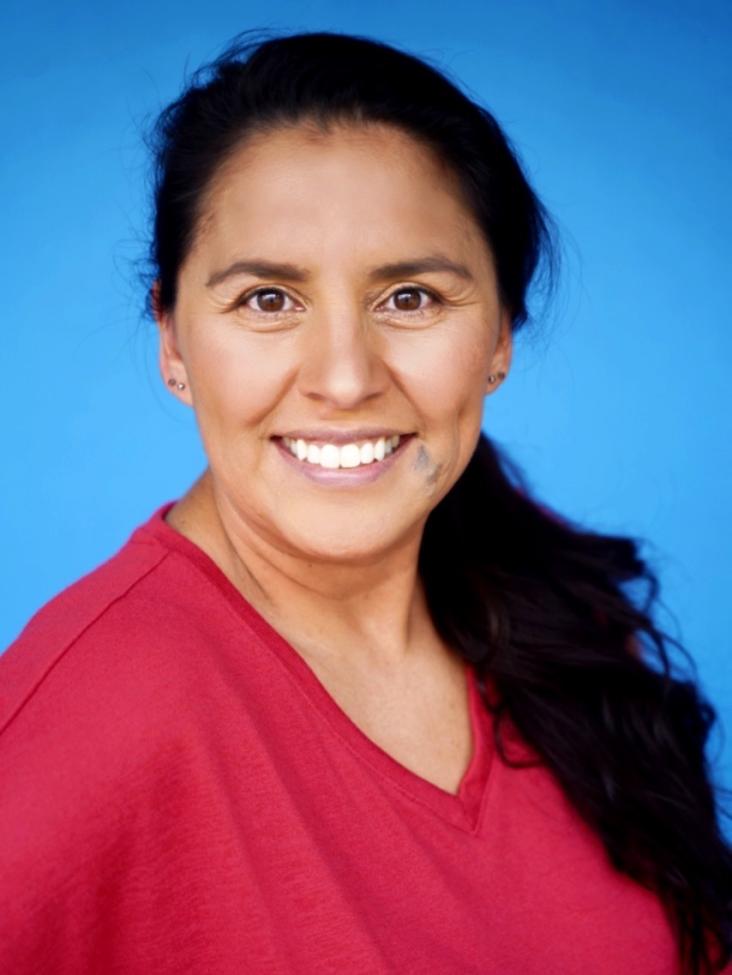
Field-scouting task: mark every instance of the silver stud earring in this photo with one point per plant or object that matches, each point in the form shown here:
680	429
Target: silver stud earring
172	382
495	377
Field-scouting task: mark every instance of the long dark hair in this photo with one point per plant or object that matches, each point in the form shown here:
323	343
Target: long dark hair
549	611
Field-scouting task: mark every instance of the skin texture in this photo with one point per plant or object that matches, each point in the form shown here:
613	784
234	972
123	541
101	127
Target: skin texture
334	567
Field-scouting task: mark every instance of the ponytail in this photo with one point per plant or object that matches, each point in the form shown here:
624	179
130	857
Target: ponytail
542	609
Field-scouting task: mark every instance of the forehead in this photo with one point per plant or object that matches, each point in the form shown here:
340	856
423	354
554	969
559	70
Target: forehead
301	184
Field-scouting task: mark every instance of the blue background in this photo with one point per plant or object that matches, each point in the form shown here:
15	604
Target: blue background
618	405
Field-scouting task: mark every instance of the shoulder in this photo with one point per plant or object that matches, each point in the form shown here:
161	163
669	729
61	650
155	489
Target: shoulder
126	664
104	702
112	655
75	614
104	697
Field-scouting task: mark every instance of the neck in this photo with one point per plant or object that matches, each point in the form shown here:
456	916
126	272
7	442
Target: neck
332	612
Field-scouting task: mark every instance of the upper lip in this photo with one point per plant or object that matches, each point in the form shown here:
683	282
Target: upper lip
342	436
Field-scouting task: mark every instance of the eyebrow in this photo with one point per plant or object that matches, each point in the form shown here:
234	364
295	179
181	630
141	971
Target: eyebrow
291	272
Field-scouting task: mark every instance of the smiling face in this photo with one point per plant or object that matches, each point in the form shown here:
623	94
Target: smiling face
339	302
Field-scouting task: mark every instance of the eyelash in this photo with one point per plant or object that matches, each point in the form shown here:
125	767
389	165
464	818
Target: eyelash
242	302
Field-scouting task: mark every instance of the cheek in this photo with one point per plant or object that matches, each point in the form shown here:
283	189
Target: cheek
447	372
236	382
447	380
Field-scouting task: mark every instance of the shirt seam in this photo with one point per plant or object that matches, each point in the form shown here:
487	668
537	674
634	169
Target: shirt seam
75	639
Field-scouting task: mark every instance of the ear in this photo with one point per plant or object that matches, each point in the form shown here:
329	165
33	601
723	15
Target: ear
172	367
501	358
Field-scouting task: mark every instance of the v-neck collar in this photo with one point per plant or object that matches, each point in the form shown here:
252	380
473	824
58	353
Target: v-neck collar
464	809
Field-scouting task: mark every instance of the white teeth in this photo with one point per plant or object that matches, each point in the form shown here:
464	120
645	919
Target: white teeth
350	455
330	456
367	453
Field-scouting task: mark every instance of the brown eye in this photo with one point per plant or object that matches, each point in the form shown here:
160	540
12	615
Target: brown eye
269	299
408	299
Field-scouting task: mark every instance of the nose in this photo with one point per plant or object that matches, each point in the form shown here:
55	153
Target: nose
342	366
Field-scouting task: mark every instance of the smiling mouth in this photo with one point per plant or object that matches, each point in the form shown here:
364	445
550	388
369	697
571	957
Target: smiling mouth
349	456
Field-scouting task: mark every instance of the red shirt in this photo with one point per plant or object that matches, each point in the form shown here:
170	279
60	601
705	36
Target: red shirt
180	794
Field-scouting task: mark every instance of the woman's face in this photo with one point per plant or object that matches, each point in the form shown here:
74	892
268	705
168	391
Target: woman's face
338	303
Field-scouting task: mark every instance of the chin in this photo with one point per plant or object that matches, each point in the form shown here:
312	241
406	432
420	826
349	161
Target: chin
344	545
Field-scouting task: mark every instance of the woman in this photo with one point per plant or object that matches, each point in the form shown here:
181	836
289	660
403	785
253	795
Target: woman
355	703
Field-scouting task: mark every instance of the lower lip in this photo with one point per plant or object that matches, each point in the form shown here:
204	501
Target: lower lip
344	476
